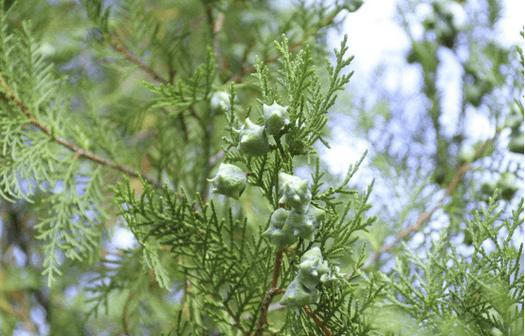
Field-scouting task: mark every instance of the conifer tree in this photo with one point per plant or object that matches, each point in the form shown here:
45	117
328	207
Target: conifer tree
197	127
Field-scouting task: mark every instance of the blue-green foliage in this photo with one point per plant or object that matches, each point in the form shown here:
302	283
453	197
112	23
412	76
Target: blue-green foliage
122	117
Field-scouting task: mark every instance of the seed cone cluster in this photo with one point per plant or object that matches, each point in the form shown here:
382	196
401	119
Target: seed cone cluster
312	270
296	219
253	138
253	141
301	220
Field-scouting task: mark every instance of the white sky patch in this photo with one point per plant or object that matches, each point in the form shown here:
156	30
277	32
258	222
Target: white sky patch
477	126
418	239
449	82
512	23
374	37
345	150
123	239
488	246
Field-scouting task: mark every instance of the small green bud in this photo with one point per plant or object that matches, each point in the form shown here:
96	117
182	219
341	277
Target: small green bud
335	274
280	237
446	35
274	117
312	267
429	23
473	95
509	184
279	232
514	121
516	143
300	224
467	239
305	224
278	218
316	215
488	188
253	140
295	142
220	101
312	270
467	154
412	57
294	192
353	5
230	181
440	175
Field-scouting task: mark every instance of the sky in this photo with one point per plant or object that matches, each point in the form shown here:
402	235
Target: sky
376	39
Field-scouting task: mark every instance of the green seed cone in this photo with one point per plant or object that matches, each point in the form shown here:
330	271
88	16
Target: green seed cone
516	144
274	118
253	140
230	181
294	192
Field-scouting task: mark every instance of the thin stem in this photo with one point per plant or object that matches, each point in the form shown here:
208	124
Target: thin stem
77	150
235	317
21	234
116	43
246	69
427	214
215	26
206	168
326	331
251	68
125	325
273	291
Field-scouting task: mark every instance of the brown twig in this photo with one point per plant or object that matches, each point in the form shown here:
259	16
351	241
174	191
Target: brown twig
20	313
273	291
215	25
236	318
21	235
206	168
246	69
326	331
77	150
125	324
116	43
427	214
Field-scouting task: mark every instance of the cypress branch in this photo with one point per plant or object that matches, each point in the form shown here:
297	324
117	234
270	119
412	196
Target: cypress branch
77	150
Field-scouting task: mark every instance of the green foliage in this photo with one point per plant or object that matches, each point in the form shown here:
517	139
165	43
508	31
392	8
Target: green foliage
227	262
438	289
32	114
114	120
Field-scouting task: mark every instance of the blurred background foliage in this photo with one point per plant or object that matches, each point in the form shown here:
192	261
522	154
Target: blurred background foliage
447	204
